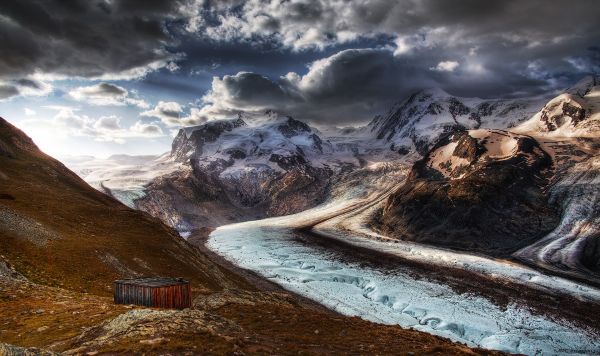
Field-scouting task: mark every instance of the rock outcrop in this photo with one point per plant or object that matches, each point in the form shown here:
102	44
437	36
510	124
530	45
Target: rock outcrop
479	190
574	113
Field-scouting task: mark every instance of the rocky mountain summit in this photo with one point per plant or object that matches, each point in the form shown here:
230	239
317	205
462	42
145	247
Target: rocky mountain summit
248	167
574	113
239	171
477	190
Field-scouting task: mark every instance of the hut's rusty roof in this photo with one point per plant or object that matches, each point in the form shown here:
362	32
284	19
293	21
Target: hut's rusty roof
153	281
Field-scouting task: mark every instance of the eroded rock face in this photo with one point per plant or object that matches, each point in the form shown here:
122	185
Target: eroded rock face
564	110
478	190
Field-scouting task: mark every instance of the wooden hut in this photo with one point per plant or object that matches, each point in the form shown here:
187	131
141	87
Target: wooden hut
156	292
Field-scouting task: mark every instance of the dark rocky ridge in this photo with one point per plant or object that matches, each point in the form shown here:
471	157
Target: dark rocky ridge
488	205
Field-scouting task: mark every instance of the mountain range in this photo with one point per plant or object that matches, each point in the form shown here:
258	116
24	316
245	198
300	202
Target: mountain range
484	179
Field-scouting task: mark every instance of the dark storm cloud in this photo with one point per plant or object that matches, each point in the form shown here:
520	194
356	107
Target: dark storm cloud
251	88
259	51
330	22
84	38
353	85
470	48
346	87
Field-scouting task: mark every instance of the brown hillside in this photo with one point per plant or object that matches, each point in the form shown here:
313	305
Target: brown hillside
57	230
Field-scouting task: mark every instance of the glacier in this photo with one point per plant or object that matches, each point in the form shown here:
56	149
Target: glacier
273	249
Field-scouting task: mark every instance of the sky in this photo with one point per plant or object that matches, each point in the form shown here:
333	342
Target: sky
103	77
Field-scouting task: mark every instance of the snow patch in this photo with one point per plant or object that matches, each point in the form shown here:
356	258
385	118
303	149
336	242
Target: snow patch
498	144
444	161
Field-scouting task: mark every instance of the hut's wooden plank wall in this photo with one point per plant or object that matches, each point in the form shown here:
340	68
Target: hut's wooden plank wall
174	294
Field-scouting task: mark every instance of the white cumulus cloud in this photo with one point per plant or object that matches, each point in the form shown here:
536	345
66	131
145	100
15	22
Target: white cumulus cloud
172	114
69	122
446	66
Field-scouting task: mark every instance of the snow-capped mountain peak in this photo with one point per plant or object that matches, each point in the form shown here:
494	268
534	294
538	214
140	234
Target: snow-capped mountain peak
574	113
271	140
420	120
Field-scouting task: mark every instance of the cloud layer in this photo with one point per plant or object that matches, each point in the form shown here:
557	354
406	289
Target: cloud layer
337	61
471	48
106	94
329	92
107	39
301	24
104	128
351	86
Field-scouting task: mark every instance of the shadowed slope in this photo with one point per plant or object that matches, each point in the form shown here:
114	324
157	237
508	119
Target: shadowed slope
478	190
